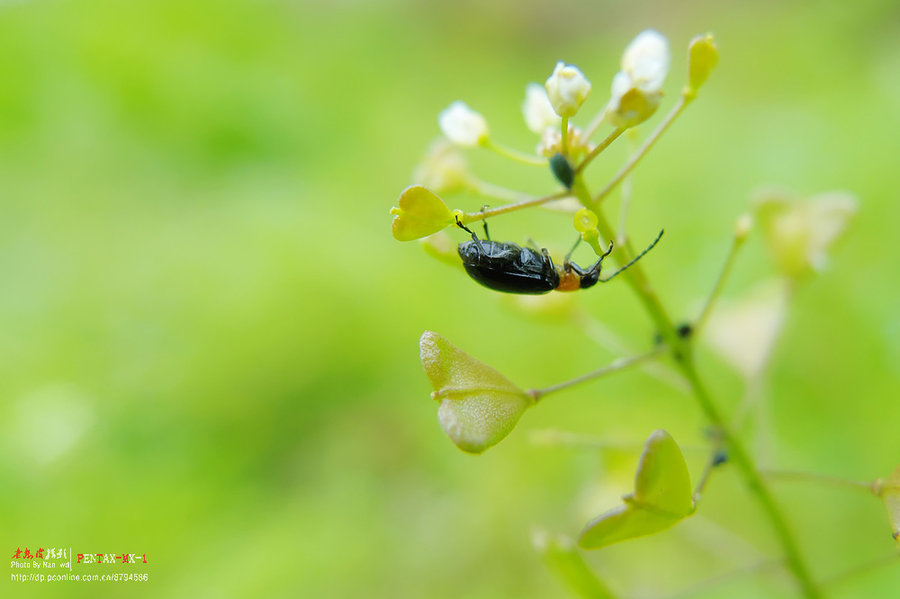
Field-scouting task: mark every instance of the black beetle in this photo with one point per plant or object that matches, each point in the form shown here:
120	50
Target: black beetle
511	268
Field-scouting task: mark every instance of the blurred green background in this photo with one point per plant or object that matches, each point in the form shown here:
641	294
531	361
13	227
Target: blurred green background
209	337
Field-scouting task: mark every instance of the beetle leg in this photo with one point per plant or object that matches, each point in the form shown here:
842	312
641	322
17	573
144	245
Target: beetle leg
575	268
474	237
547	257
572	251
484	223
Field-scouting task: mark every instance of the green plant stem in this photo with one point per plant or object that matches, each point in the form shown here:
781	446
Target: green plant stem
634	275
741	459
707	471
600	334
599	148
512	154
616	366
564	136
627	187
736	243
489	212
595	124
636	158
498	192
683	357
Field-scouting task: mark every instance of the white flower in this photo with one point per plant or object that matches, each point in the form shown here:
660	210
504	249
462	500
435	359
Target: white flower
567	89
637	87
462	125
537	110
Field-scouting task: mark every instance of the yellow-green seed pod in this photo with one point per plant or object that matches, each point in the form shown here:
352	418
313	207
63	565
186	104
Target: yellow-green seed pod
585	221
419	213
702	58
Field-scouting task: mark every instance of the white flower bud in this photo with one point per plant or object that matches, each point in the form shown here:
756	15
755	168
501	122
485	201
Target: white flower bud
567	89
646	61
537	110
462	125
637	88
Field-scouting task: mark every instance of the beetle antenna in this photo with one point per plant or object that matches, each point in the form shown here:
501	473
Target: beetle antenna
636	258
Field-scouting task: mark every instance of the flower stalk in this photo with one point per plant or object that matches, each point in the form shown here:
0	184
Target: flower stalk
616	366
636	158
680	348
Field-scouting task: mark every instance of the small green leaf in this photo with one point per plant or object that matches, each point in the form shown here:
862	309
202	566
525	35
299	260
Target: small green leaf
420	213
662	478
479	406
662	497
890	493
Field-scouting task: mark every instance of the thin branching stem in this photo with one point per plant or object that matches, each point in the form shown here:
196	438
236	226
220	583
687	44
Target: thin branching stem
498	192
737	242
595	124
683	357
616	366
627	188
602	335
715	459
490	212
754	480
599	148
513	154
636	158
